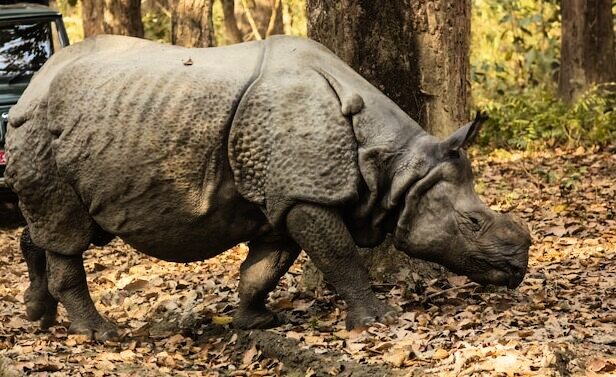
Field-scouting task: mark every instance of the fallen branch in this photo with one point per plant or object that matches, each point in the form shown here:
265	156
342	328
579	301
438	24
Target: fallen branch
297	358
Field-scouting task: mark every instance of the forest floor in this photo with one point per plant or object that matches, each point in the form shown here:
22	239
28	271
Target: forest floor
561	321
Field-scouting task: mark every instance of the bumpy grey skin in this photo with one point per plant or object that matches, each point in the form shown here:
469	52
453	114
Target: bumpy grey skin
275	142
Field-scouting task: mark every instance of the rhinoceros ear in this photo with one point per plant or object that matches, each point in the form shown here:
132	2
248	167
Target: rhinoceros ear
463	137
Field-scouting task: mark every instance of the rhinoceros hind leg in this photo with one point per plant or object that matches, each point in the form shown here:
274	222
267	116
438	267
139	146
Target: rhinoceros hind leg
268	259
67	283
40	304
321	232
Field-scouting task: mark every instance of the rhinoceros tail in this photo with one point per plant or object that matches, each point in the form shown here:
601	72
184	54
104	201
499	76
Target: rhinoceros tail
351	102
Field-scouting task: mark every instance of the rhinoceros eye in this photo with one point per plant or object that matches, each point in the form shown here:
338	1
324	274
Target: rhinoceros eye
453	154
474	222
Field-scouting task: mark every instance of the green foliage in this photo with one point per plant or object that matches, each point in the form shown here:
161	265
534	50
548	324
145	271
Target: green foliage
536	118
218	20
515	44
294	11
515	50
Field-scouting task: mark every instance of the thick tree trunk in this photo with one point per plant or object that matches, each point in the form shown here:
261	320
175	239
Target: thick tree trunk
192	24
93	17
121	17
587	52
417	53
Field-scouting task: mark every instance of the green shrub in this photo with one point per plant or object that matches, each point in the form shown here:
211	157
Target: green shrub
536	118
157	24
515	45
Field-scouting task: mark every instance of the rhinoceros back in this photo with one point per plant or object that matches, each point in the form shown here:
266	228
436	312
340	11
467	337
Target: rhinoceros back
129	133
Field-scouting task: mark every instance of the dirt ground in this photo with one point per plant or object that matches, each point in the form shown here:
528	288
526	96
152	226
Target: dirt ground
561	321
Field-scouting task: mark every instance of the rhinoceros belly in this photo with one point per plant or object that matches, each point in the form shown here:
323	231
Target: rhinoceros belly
141	136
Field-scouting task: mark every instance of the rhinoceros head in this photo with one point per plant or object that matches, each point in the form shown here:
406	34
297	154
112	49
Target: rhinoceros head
444	221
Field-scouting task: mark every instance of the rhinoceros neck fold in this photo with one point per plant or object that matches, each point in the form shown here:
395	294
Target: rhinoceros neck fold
393	154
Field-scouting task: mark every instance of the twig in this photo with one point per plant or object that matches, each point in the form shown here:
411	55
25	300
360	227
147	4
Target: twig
163	9
272	20
530	176
251	20
440	293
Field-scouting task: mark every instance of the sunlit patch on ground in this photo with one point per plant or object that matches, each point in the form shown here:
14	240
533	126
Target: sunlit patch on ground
562	319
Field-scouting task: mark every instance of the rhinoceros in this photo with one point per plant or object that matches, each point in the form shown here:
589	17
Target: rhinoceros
184	153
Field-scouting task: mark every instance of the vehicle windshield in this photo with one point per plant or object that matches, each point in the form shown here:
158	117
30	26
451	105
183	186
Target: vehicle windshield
24	48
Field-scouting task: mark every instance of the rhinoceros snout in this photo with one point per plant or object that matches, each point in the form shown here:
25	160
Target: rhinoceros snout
515	280
518	271
506	270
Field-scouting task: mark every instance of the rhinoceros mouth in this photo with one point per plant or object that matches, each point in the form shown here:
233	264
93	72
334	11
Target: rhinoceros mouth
510	277
504	272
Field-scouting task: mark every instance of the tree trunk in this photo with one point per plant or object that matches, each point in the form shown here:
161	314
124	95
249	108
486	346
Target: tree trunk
93	17
587	52
233	33
121	17
417	53
192	24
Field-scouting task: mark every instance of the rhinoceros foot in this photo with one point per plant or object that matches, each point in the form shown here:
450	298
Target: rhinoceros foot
367	315
255	319
100	330
40	305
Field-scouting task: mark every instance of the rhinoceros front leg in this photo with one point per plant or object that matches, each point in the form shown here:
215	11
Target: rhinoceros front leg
321	232
67	284
268	259
40	304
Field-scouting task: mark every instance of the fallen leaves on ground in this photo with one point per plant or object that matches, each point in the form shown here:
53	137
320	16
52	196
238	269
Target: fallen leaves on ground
560	321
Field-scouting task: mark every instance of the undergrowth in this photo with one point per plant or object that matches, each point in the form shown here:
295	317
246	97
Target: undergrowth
536	118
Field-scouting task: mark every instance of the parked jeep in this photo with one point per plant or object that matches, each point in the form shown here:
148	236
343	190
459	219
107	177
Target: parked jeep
29	35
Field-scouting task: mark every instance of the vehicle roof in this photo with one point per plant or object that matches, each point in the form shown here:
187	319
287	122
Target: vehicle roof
26	10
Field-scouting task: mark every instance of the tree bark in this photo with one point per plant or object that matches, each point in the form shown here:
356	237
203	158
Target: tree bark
121	17
587	54
417	53
93	17
192	24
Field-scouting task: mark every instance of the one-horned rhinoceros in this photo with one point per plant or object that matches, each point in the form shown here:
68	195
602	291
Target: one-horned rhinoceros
184	153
